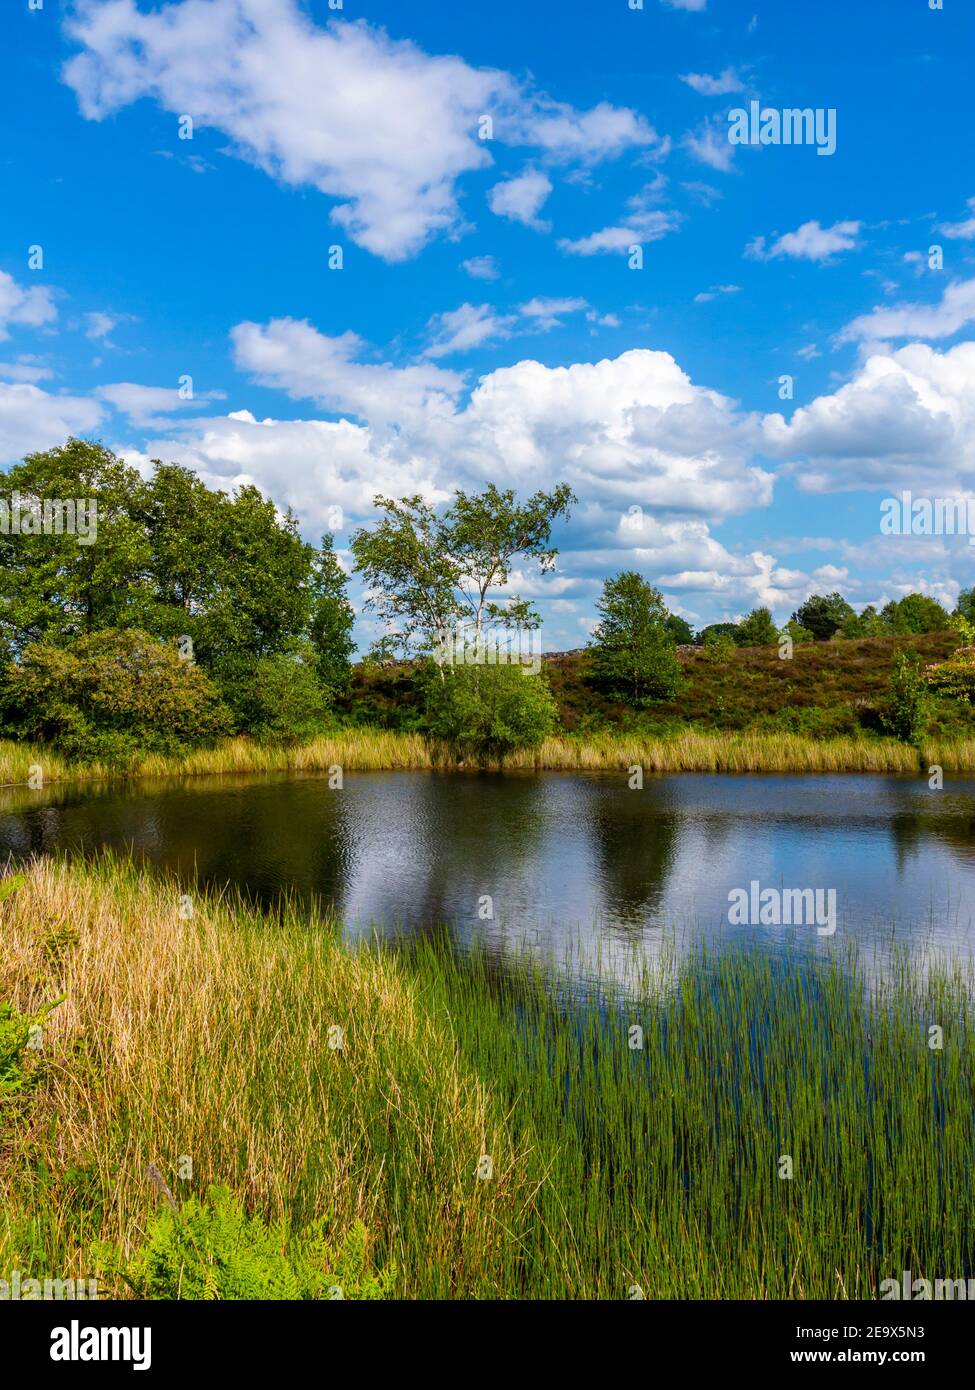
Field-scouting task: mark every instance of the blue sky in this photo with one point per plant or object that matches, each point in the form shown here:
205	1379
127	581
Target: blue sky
486	323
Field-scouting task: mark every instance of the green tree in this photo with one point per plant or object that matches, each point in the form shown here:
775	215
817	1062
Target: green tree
823	615
52	587
331	620
869	623
634	655
966	604
757	630
905	712
428	571
680	629
797	632
710	634
263	590
915	613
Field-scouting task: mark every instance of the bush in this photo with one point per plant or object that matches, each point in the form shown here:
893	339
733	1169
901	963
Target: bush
956	676
110	695
277	699
212	1250
904	714
489	709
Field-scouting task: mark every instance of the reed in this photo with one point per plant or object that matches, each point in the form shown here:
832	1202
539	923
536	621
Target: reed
365	750
614	1167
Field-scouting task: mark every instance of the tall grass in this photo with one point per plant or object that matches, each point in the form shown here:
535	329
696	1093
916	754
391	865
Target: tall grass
365	750
615	1166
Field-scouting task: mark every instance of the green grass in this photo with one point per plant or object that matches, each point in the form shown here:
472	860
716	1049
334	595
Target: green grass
613	1166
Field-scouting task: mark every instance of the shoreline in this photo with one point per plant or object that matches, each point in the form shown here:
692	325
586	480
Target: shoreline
376	750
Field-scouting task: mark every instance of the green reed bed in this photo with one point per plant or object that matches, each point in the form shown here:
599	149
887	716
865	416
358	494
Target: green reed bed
613	1168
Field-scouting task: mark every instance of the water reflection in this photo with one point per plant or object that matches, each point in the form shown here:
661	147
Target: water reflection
542	856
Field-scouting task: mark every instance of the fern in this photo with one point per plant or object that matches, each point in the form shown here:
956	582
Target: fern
212	1250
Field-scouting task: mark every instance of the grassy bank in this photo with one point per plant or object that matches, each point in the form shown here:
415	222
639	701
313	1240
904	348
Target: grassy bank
612	1166
362	750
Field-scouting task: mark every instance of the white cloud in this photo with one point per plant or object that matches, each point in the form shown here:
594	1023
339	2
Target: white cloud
143	404
31	308
547	312
26	367
460	330
521	198
99	325
481	267
963	231
32	419
373	122
810	242
294	357
709	144
725	82
640	227
706	296
906	419
956	309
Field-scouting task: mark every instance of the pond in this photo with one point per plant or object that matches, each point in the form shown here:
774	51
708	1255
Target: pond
547	856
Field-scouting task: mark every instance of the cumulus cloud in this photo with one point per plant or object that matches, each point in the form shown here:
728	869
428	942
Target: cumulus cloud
906	419
32	308
810	242
519	199
294	357
634	428
32	419
374	123
942	320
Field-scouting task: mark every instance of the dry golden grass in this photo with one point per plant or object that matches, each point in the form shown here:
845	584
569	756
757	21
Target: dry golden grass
364	750
209	1037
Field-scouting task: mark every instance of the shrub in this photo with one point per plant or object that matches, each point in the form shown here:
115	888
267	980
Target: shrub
489	709
279	698
212	1250
110	694
956	676
905	711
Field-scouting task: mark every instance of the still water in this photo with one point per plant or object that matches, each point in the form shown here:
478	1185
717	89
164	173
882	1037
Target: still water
542	856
